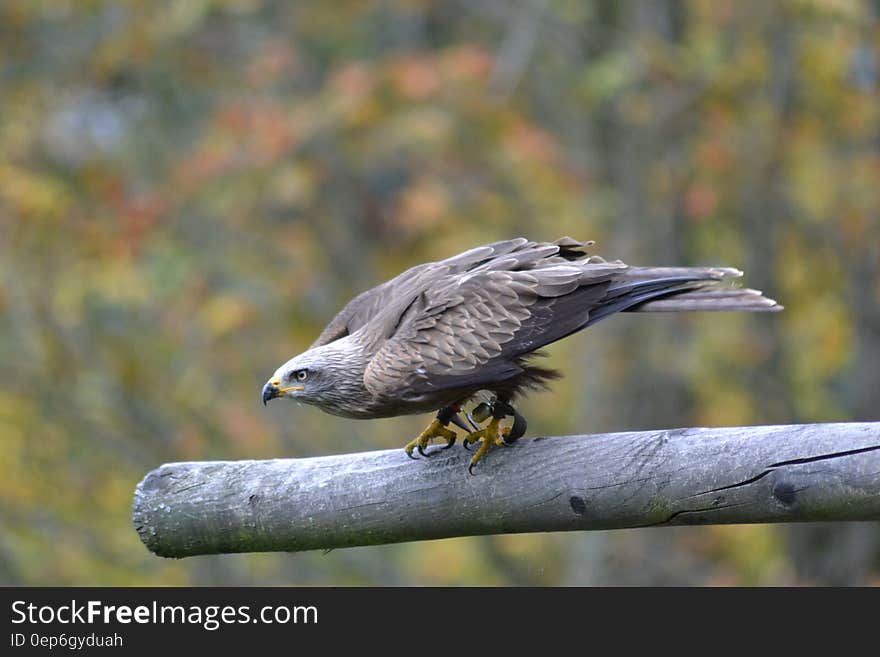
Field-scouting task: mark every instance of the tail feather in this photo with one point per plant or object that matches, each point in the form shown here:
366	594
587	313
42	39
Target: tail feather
733	299
680	289
641	287
692	273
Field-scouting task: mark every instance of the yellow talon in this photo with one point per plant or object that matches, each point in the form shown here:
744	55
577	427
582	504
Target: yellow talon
489	435
434	430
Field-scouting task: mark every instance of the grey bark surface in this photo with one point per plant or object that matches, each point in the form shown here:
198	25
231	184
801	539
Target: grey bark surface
693	476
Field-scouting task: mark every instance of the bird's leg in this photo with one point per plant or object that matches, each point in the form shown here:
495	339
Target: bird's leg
457	421
492	433
437	429
480	413
518	429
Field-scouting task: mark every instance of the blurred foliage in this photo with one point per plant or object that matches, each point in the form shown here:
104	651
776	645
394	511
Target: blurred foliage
190	190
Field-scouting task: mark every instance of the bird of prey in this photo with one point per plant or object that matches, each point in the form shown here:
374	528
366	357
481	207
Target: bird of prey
443	334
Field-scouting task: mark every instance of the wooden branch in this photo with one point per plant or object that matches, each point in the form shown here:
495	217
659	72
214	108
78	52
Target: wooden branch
640	479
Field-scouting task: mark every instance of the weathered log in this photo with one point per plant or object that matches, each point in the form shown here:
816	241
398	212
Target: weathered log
789	473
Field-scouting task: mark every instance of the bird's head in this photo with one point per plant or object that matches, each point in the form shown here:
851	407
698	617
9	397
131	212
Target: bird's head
303	377
329	376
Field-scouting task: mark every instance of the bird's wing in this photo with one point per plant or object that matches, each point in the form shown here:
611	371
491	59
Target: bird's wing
471	328
399	291
468	330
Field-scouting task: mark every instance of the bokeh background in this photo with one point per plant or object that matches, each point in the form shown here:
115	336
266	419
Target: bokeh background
190	189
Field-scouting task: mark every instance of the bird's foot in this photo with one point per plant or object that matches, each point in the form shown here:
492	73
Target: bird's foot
435	430
491	434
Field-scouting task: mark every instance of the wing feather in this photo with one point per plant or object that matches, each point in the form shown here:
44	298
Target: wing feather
471	330
384	299
469	321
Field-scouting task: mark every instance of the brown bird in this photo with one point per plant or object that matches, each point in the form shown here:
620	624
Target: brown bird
444	333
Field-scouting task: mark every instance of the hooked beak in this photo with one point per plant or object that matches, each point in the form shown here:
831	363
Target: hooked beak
271	390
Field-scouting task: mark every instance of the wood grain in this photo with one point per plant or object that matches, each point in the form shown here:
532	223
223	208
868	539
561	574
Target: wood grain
788	473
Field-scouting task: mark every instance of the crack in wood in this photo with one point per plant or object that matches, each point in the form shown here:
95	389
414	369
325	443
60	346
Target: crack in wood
807	459
545	501
190	487
823	457
707	509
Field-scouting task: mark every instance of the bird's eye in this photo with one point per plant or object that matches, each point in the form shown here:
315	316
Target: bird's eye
301	375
